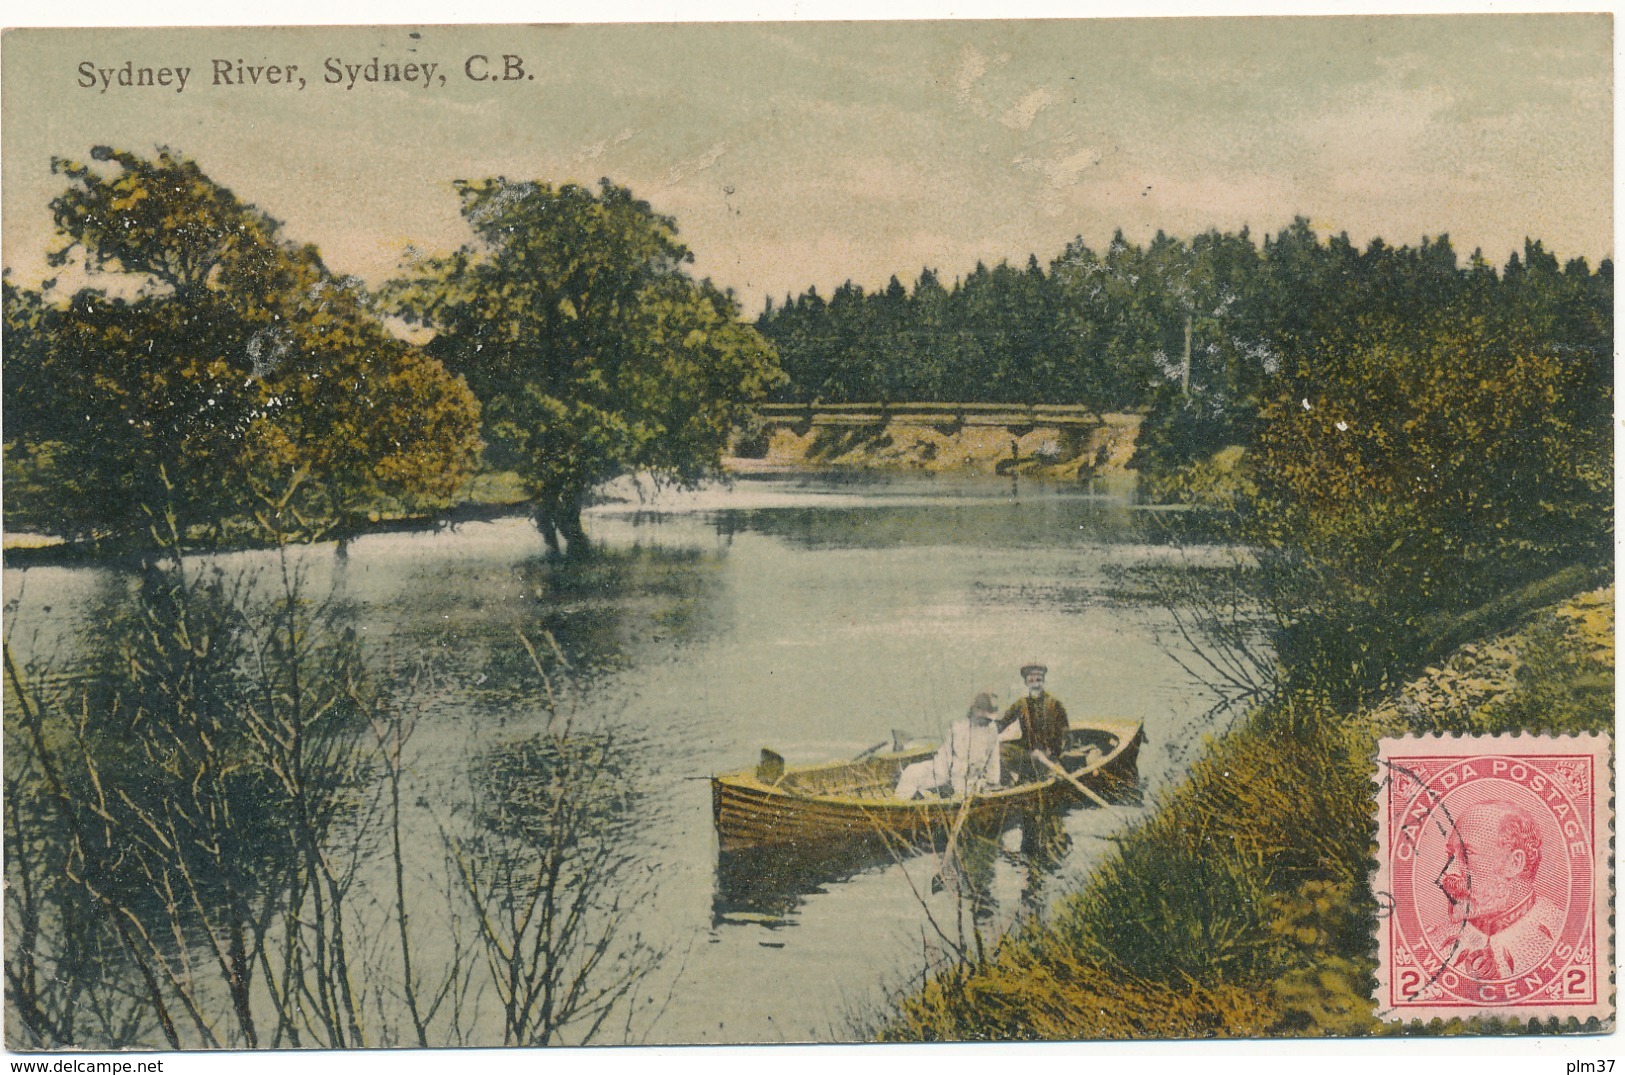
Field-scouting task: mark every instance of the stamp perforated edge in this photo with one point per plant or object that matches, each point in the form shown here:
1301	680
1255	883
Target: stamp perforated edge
1595	1017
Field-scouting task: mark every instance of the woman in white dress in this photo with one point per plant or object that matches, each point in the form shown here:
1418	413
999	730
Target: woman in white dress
967	761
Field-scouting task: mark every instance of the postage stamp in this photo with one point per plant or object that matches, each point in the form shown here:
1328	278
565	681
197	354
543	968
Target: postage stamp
1493	877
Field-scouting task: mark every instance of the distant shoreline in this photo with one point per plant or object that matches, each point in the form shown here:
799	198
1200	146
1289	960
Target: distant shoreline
901	444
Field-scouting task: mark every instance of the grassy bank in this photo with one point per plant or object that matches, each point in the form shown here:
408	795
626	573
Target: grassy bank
1241	907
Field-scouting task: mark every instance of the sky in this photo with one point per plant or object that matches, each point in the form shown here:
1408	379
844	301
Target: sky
796	154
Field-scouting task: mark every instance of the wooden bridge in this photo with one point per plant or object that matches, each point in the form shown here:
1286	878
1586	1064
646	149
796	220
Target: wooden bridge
1007	415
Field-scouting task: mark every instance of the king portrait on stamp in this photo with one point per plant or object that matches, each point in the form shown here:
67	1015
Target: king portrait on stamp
1499	923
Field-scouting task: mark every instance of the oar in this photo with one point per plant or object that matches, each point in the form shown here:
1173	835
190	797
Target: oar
870	751
1070	779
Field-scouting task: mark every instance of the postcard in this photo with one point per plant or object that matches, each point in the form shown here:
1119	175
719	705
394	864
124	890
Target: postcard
1058	530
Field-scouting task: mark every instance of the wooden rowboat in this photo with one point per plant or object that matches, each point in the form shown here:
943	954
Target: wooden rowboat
806	805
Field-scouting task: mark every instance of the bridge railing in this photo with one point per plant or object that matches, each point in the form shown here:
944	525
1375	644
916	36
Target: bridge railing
972	414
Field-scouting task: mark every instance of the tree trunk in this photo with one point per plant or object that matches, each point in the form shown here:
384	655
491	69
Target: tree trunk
1185	366
544	515
569	521
240	971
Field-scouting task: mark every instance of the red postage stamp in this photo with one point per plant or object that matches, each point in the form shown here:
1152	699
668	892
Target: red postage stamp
1493	878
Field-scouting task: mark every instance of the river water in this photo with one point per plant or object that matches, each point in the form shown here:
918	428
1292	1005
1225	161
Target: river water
814	615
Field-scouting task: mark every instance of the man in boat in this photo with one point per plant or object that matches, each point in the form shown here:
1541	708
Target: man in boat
1039	719
967	761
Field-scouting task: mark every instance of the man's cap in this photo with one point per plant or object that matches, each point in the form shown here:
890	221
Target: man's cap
1034	666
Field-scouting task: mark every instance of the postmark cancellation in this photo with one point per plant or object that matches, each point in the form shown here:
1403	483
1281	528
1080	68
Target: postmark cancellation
1493	878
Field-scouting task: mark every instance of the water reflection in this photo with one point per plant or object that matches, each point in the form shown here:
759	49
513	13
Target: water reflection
853	511
966	869
950	520
766	885
601	612
601	608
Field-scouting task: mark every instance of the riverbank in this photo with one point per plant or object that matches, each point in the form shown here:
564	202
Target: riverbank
1241	908
490	495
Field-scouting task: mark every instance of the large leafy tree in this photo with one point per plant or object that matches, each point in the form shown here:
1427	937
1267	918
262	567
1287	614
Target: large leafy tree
1406	478
592	350
226	379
